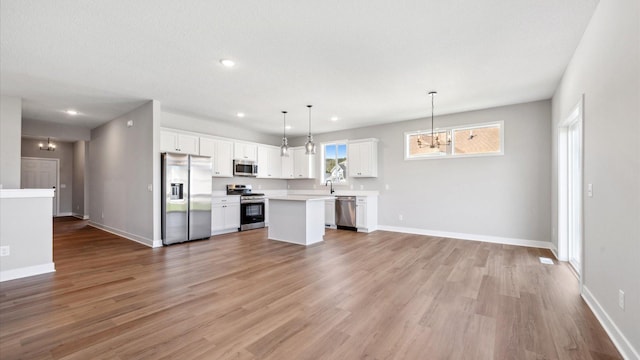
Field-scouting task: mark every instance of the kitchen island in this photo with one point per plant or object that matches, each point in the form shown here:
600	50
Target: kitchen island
297	219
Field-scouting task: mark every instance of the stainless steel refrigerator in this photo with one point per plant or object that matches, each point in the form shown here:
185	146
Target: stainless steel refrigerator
186	198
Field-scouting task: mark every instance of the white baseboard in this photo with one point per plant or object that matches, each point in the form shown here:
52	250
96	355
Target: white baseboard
124	234
617	337
27	271
157	243
473	237
61	214
554	250
81	216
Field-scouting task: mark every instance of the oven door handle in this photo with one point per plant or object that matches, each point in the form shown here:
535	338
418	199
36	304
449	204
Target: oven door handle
252	201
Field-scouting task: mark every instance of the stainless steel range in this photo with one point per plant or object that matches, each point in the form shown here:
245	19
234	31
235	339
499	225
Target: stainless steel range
252	206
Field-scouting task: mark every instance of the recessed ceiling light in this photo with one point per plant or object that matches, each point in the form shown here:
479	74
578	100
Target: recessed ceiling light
72	112
334	118
240	114
227	62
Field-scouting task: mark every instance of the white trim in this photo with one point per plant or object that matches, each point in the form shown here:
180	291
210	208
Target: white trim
80	216
554	251
64	214
124	234
157	244
25	193
451	129
27	271
322	159
472	237
617	337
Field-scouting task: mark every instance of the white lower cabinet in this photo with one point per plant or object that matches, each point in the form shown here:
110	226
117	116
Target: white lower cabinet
225	214
330	213
366	213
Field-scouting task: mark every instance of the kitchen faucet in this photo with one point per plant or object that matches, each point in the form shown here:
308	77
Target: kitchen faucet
331	182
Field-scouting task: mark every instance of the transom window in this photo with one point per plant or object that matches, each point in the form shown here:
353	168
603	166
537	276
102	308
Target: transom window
466	140
334	164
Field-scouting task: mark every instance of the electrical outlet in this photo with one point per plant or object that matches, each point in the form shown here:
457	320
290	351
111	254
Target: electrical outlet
400	217
590	190
5	250
102	215
621	299
386	187
361	187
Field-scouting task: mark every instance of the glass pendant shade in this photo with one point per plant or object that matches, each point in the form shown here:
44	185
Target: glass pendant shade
309	146
284	148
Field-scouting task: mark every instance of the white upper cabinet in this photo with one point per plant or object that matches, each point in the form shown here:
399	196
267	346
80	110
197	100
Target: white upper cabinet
363	158
221	153
245	151
269	162
176	142
303	164
287	166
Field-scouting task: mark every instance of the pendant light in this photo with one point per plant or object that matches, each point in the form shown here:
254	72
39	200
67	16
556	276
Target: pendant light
284	148
309	146
49	147
435	141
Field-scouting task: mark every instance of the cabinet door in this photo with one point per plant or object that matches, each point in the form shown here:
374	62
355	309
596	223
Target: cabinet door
330	212
232	216
363	158
287	166
217	217
168	141
188	144
361	215
264	166
207	147
275	164
223	159
302	164
245	151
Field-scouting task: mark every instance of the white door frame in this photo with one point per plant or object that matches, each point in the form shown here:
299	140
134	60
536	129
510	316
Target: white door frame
576	116
56	199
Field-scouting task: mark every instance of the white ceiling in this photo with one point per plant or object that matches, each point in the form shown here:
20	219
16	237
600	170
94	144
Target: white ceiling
365	61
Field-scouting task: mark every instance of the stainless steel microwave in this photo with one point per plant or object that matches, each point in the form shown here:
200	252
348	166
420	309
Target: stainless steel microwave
245	168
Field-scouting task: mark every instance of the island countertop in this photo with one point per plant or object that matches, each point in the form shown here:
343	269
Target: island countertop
301	197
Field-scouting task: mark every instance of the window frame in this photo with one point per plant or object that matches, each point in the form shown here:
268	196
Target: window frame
450	130
323	160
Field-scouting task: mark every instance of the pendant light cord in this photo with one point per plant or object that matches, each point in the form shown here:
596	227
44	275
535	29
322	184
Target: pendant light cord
309	106
284	124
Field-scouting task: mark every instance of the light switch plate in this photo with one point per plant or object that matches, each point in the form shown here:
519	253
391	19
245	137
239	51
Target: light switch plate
5	250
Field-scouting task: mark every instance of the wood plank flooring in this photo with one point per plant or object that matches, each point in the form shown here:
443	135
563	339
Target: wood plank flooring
239	296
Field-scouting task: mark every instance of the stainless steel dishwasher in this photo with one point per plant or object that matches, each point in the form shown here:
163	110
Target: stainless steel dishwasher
346	212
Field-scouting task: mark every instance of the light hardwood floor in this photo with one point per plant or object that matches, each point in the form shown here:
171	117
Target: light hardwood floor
239	296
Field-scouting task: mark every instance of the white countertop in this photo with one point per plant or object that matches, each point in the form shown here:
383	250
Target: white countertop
25	193
300	197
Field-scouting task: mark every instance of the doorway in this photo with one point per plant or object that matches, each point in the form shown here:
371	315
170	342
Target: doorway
570	223
41	173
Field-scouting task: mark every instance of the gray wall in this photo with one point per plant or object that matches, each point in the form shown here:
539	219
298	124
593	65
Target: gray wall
64	152
10	127
80	198
63	132
122	166
500	196
605	69
217	128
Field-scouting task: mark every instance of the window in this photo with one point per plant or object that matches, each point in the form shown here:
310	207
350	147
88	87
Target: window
334	164
459	141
